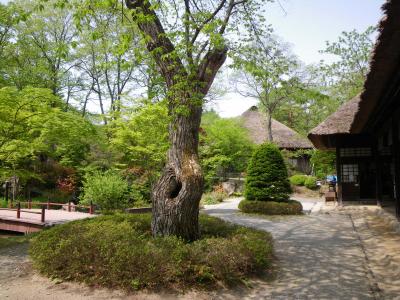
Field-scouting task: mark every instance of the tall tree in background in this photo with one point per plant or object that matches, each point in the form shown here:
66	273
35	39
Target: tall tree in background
188	42
267	73
109	57
42	49
345	77
309	105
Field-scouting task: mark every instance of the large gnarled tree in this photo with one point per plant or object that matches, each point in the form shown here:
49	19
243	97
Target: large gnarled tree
188	41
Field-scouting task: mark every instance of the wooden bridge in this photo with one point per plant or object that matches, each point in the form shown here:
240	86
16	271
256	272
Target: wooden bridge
31	219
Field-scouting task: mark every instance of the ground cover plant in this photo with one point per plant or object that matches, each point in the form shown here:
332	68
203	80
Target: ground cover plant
213	197
119	251
13	240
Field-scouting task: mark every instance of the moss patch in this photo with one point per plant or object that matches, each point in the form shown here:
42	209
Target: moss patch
14	240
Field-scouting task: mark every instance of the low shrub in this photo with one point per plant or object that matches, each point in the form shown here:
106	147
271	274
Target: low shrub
213	197
119	251
311	182
108	190
290	207
298	179
237	194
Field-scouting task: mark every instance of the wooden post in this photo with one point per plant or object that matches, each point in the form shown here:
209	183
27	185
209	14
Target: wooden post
69	206
339	176
29	200
378	181
18	210
396	161
91	208
8	194
43	214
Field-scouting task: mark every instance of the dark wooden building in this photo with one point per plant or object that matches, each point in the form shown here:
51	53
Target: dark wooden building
365	130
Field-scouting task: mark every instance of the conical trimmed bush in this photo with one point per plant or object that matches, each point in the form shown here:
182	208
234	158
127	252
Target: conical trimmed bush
267	176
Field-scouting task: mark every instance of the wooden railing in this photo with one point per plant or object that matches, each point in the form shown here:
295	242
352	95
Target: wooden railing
46	205
69	205
19	210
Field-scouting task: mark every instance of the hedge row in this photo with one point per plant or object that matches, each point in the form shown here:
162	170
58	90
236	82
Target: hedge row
290	207
300	180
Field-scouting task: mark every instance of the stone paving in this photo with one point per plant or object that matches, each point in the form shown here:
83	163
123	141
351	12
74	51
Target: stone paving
320	256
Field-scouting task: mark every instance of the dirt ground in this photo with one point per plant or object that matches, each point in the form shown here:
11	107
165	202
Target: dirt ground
348	253
382	247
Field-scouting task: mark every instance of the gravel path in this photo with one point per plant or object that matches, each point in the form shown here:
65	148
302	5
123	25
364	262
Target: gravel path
320	255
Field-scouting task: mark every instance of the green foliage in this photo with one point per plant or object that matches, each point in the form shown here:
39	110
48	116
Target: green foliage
267	177
31	123
224	147
311	182
119	251
346	75
108	190
267	71
214	197
141	136
290	207
324	163
307	107
298	179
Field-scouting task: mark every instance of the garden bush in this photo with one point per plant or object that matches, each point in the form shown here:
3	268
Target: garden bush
267	177
108	190
214	197
290	207
119	251
323	162
311	182
298	179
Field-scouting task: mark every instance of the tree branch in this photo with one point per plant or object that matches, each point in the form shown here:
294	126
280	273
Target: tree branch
157	42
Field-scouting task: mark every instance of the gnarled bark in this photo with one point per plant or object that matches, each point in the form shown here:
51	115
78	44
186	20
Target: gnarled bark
177	194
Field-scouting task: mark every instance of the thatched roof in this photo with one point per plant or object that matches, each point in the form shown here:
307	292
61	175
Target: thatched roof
385	62
283	136
337	123
352	116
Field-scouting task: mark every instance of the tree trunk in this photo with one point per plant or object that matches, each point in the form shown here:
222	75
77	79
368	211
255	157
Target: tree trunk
177	194
269	127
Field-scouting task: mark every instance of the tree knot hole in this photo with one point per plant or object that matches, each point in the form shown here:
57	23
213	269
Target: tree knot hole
176	187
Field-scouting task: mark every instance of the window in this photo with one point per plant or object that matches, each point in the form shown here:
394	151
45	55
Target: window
350	173
355	152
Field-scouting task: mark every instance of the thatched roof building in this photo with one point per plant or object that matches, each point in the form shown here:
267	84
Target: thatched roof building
286	138
339	123
352	117
365	132
384	65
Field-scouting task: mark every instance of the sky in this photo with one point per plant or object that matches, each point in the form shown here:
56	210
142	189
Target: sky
306	25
